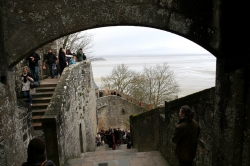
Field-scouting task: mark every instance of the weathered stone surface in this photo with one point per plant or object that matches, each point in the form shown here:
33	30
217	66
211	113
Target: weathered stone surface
26	25
37	23
114	112
14	125
73	104
153	130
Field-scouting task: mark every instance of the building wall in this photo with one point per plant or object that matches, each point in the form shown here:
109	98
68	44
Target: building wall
114	112
107	92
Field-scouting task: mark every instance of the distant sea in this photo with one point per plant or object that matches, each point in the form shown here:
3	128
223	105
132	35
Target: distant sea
194	72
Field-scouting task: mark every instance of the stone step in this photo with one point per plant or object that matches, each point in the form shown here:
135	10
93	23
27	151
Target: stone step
37	126
105	156
47	85
37	118
38	112
39	105
45	89
45	76
39	100
42	94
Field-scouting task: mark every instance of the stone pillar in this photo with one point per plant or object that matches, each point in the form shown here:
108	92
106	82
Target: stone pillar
3	57
232	79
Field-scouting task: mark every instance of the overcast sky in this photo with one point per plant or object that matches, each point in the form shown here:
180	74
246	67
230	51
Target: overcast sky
128	40
196	74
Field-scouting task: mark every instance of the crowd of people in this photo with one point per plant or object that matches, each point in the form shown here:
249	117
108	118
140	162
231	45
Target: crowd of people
65	58
114	137
55	64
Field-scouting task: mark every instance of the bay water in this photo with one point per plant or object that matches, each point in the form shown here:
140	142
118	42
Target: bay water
193	72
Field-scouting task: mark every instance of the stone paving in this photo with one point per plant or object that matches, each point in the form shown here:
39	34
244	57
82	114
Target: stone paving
105	156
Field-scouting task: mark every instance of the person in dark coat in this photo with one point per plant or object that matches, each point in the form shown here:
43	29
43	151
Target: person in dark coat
36	154
62	60
129	145
33	59
50	58
80	55
186	137
110	139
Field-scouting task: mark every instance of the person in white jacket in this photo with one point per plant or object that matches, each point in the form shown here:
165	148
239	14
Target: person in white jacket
26	80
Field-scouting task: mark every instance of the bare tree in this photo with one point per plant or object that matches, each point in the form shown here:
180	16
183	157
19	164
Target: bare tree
119	79
154	85
160	84
78	40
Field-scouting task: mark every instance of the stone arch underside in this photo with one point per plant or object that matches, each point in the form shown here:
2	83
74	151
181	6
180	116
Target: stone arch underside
30	25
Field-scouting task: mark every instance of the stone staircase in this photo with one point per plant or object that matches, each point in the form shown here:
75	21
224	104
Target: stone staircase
41	100
105	156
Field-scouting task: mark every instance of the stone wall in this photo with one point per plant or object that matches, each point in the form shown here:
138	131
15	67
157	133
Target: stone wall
70	122
153	130
231	129
107	92
114	112
16	126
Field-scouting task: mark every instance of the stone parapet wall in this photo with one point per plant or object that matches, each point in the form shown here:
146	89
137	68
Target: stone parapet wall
153	130
107	92
70	122
16	128
114	112
146	129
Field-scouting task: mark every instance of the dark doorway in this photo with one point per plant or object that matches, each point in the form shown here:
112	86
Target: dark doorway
80	137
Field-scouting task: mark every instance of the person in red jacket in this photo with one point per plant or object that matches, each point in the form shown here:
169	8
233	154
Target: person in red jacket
186	137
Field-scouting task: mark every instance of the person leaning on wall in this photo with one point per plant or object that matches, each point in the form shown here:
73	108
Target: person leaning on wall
36	154
186	137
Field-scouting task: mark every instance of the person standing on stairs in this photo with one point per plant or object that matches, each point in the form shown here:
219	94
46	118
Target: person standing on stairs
186	136
26	80
62	60
33	59
50	59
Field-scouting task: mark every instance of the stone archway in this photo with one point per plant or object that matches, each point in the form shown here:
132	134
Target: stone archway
214	25
31	25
